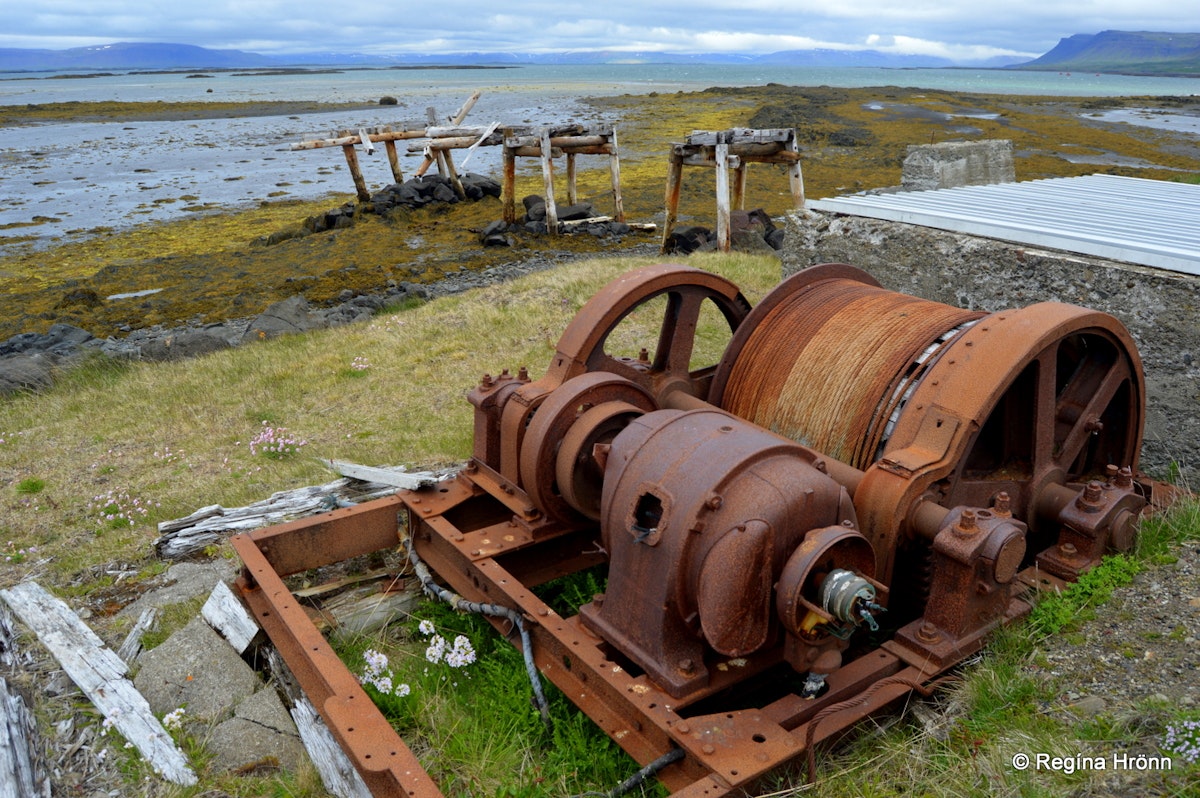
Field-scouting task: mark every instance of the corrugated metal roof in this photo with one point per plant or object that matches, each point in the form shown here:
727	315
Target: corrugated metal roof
1128	219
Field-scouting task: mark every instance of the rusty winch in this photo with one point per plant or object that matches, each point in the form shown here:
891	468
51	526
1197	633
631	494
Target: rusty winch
861	489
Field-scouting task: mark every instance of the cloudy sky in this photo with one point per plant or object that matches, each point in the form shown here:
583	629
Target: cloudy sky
960	29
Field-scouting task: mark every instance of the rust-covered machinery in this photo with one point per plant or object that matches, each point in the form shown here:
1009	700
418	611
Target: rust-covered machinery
843	507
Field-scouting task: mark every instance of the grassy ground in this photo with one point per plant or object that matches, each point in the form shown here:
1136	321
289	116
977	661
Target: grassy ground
157	440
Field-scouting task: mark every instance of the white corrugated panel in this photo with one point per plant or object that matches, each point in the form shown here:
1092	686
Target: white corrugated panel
1149	222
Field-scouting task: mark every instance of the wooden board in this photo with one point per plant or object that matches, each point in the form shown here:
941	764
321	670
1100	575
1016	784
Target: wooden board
101	675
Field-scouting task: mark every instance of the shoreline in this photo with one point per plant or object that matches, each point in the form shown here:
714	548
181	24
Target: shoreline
215	264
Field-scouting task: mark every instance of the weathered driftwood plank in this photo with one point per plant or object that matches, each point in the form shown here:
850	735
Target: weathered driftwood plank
19	775
395	477
360	183
384	135
132	646
183	537
723	167
367	608
21	771
336	771
230	618
548	179
614	170
100	674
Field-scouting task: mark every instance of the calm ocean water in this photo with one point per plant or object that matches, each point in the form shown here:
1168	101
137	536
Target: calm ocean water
565	80
63	180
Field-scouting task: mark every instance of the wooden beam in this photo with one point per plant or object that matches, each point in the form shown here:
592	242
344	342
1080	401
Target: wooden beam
132	645
360	185
614	168
548	178
336	771
397	478
101	675
674	182
508	187
342	141
723	196
572	190
230	618
795	176
393	160
739	187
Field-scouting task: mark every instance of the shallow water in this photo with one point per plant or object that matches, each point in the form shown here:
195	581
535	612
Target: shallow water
62	180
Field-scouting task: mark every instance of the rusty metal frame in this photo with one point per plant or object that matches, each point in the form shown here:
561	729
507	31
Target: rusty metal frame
487	554
508	523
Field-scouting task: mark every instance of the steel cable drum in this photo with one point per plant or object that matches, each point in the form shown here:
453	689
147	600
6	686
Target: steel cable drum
827	359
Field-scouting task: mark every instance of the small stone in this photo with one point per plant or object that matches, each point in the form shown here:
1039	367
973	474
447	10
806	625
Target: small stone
1089	706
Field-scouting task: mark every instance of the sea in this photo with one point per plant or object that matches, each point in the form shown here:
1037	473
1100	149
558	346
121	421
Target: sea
66	180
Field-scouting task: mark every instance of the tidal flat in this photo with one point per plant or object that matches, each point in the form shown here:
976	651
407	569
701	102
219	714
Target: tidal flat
179	213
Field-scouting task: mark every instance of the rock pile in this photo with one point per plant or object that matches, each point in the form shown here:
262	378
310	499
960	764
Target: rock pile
579	218
750	231
415	193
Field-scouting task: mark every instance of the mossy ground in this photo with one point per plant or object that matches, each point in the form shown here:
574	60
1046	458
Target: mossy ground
211	267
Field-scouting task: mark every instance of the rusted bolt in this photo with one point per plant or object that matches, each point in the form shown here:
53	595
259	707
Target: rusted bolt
504	375
598	599
1068	550
1093	424
928	633
682	728
708	749
643	355
1110	473
471	467
1002	504
966	523
819	464
523	374
1125	477
714	502
686	665
1092	496
485	381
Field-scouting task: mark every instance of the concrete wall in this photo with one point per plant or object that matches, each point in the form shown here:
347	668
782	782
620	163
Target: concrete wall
1159	307
957	163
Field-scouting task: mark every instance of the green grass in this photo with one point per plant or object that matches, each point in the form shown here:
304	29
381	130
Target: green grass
474	727
175	436
171	437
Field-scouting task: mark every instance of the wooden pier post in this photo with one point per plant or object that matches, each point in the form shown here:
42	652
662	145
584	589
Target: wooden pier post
548	177
509	183
614	168
722	160
360	185
674	184
393	160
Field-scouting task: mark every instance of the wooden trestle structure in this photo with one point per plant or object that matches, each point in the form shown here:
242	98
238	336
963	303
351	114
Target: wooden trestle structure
544	143
437	142
731	151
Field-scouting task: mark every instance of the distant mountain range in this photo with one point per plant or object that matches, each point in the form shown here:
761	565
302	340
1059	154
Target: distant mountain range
136	56
1126	52
1111	51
